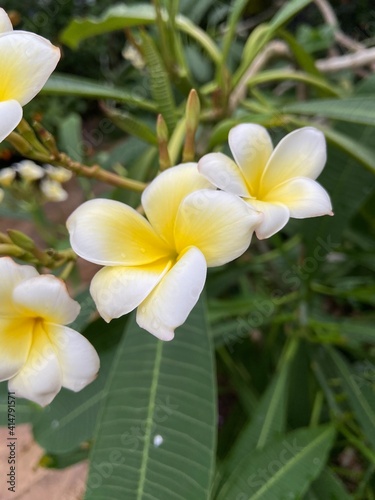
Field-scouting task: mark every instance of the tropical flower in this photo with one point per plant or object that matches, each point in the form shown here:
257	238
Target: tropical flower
279	183
58	174
29	170
160	265
26	62
52	190
38	354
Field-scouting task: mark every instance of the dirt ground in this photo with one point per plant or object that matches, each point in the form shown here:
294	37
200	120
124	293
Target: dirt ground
34	482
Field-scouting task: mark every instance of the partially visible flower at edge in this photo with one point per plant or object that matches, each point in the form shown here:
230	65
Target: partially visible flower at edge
26	60
39	354
279	183
159	265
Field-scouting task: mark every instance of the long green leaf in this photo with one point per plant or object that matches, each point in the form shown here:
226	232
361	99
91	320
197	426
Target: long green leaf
60	84
156	435
268	420
122	16
264	32
329	486
363	410
131	124
285	468
355	109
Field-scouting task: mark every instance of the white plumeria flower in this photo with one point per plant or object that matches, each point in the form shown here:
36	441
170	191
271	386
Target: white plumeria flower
279	183
26	61
58	174
29	170
7	176
38	354
53	191
160	265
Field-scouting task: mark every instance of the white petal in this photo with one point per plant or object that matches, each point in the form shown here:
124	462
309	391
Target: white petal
40	378
219	224
118	290
275	216
108	232
251	147
301	153
5	23
170	303
163	196
10	116
304	198
11	275
223	173
79	362
15	342
27	60
46	297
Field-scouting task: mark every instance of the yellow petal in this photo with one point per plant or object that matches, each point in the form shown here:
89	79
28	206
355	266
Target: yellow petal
26	61
15	341
274	216
303	197
219	224
170	303
40	378
118	290
301	153
46	297
111	233
163	196
251	147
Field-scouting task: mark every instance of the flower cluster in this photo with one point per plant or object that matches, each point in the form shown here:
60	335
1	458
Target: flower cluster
159	264
44	182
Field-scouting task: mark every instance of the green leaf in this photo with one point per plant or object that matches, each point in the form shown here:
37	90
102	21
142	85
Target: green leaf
264	32
285	468
70	136
329	486
60	84
122	16
268	420
131	124
157	431
355	109
71	418
159	81
361	407
287	12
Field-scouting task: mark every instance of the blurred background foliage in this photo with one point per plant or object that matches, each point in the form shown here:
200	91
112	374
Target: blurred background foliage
291	321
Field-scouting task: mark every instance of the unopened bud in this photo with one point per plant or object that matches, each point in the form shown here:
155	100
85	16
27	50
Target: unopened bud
21	240
11	250
162	136
47	138
193	109
20	144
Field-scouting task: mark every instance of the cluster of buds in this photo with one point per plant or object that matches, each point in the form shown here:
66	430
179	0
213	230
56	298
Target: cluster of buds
26	177
18	245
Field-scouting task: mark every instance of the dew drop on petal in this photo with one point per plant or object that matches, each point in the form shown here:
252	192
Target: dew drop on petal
158	440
